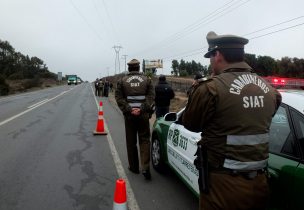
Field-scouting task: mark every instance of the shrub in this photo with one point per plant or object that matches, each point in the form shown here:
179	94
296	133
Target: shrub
183	73
30	83
16	76
4	87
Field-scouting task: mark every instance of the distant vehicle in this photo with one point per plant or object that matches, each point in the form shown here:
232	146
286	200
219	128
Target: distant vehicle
79	80
72	79
173	146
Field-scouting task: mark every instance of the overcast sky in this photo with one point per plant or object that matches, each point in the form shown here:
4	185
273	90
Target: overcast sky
77	36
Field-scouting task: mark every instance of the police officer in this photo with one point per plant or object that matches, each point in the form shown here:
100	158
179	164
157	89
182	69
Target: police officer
100	87
134	96
96	83
234	110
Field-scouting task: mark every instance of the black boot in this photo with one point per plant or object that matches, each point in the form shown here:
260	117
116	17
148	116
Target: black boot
147	174
133	170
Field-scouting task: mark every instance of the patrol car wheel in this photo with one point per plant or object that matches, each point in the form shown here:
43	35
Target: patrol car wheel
156	155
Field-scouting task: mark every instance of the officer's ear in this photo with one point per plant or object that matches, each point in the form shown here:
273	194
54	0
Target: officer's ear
219	58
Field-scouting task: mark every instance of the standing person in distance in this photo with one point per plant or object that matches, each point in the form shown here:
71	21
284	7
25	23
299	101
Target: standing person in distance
134	96
106	87
100	88
163	94
96	84
233	110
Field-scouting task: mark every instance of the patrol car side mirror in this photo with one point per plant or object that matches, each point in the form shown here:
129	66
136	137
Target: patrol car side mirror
171	116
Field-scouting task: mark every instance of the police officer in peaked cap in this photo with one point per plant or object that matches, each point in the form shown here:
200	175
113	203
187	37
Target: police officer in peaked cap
133	62
134	96
234	109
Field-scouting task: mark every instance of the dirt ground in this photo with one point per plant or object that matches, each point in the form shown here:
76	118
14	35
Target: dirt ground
19	86
178	102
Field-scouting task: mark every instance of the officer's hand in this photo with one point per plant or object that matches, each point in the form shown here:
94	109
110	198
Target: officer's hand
135	111
197	163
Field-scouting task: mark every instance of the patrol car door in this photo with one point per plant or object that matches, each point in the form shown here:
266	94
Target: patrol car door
283	161
181	147
297	192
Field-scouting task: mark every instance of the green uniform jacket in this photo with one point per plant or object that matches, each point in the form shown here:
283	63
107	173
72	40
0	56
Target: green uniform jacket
233	111
131	89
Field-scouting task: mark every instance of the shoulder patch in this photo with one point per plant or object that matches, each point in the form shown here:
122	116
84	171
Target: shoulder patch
204	79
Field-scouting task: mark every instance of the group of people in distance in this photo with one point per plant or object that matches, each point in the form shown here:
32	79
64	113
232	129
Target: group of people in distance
102	87
234	136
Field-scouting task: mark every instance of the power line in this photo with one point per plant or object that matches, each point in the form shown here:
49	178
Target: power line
284	29
98	13
273	25
194	24
206	22
108	14
186	54
85	20
181	31
197	25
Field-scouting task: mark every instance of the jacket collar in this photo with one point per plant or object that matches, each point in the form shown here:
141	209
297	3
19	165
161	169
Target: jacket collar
133	72
237	67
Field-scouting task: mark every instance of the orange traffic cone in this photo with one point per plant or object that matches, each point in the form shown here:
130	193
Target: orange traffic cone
100	129
120	195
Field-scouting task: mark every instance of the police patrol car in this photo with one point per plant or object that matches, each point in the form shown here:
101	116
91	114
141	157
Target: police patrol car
174	146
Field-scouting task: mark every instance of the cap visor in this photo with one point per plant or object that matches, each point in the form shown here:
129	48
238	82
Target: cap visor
207	55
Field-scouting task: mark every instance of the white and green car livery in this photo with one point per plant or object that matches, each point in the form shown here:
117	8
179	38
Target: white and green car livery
175	146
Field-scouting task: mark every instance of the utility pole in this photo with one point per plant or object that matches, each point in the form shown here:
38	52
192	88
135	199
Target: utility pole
125	57
117	60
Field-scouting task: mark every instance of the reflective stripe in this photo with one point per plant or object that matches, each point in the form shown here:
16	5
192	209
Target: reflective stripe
237	165
136	97
135	105
248	139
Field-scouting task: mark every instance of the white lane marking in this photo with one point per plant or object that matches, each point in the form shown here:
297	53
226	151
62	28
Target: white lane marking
30	109
40	102
3	98
132	203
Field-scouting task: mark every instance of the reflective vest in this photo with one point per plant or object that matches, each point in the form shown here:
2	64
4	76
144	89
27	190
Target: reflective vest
237	137
135	87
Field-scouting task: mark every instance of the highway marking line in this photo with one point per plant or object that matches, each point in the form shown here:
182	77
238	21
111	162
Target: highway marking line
132	203
36	104
30	109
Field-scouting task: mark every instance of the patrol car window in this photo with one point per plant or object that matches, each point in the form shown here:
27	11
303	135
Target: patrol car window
298	120
281	138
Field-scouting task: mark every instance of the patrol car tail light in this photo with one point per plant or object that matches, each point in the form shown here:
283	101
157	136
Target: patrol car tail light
278	81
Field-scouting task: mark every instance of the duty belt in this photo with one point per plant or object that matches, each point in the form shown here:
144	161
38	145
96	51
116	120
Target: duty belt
246	174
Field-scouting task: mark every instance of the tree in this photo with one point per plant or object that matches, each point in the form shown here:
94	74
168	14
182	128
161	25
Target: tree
175	65
251	60
266	66
187	68
182	66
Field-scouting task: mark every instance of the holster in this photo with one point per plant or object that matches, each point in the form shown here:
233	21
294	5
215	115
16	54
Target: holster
201	164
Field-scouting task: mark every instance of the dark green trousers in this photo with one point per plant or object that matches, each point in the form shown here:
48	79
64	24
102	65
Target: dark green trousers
138	127
235	193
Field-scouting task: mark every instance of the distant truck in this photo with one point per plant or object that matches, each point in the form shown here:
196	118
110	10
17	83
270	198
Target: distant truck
72	79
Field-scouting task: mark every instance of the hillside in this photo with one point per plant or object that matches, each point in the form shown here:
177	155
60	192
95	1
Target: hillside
19	73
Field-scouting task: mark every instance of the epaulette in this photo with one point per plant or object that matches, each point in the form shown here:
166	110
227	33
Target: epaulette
204	79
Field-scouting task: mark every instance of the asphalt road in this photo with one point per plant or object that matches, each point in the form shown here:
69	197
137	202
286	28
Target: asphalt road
50	159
